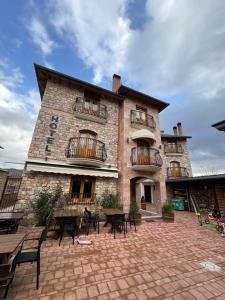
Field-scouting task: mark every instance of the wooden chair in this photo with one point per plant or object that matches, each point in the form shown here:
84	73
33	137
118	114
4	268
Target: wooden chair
31	254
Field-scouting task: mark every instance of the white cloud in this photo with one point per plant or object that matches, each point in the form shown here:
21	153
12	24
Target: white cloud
99	31
40	36
18	114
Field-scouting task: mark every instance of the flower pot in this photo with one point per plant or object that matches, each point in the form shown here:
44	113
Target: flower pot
143	205
137	218
168	216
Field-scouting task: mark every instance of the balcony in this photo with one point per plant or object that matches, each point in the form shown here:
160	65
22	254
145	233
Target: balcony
173	149
140	118
80	198
145	159
85	151
94	112
177	172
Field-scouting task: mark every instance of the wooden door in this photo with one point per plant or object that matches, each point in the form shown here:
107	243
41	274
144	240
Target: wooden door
175	169
143	153
87	145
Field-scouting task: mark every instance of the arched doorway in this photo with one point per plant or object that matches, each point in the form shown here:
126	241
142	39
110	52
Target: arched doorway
142	190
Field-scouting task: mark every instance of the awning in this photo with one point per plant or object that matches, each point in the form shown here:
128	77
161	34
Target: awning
143	134
60	169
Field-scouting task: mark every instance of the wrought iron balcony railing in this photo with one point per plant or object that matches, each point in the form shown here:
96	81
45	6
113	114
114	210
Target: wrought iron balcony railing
141	118
99	110
177	172
173	148
145	156
82	147
80	198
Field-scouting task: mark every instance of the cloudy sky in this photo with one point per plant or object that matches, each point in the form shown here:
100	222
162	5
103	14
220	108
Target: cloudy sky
171	49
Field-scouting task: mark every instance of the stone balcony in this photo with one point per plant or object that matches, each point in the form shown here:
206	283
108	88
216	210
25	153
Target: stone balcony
177	172
141	119
145	159
86	151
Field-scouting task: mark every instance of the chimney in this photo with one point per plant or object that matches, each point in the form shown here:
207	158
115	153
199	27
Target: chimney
175	130
116	83
180	129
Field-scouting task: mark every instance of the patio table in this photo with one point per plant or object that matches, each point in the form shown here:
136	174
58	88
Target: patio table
10	220
65	217
109	213
8	244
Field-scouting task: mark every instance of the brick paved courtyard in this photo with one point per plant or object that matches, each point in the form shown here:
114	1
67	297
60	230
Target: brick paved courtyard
160	261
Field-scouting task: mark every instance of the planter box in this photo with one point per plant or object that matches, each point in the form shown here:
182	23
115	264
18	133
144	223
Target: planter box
168	216
138	219
143	205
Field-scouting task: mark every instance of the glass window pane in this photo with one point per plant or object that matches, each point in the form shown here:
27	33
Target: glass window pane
76	187
87	188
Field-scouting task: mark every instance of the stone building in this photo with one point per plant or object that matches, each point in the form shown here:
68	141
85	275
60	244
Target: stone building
94	141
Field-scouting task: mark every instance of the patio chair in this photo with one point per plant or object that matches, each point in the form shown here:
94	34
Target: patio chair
131	220
6	277
90	219
52	226
31	254
118	224
69	225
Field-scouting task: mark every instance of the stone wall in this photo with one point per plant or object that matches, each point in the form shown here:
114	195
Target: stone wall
183	158
58	102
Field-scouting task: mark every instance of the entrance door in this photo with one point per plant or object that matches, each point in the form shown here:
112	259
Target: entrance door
87	144
147	189
143	153
175	169
83	189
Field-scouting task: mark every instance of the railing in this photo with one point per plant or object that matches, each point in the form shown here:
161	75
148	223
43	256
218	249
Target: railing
78	198
8	202
145	156
82	147
97	111
173	148
141	118
177	172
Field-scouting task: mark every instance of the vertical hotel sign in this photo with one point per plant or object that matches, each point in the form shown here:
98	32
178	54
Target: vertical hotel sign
52	131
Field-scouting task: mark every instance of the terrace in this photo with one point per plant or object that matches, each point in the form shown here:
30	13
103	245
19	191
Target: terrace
159	261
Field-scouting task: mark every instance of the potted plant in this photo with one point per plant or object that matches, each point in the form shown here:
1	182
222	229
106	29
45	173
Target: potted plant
110	200
134	212
167	211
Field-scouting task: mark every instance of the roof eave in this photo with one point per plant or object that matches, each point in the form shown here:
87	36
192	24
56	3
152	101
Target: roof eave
74	80
124	90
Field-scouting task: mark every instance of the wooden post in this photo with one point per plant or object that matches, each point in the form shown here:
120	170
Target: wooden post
216	200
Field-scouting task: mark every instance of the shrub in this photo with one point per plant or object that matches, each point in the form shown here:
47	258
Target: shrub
167	207
110	200
134	209
45	202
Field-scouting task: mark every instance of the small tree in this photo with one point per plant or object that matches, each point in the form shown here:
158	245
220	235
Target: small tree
110	200
45	202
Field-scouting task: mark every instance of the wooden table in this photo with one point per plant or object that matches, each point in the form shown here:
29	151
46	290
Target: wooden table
8	244
66	213
11	215
67	217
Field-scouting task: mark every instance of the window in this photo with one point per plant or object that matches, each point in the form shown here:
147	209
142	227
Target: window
141	114
82	189
91	103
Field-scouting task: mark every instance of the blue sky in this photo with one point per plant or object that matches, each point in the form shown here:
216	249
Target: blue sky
171	49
